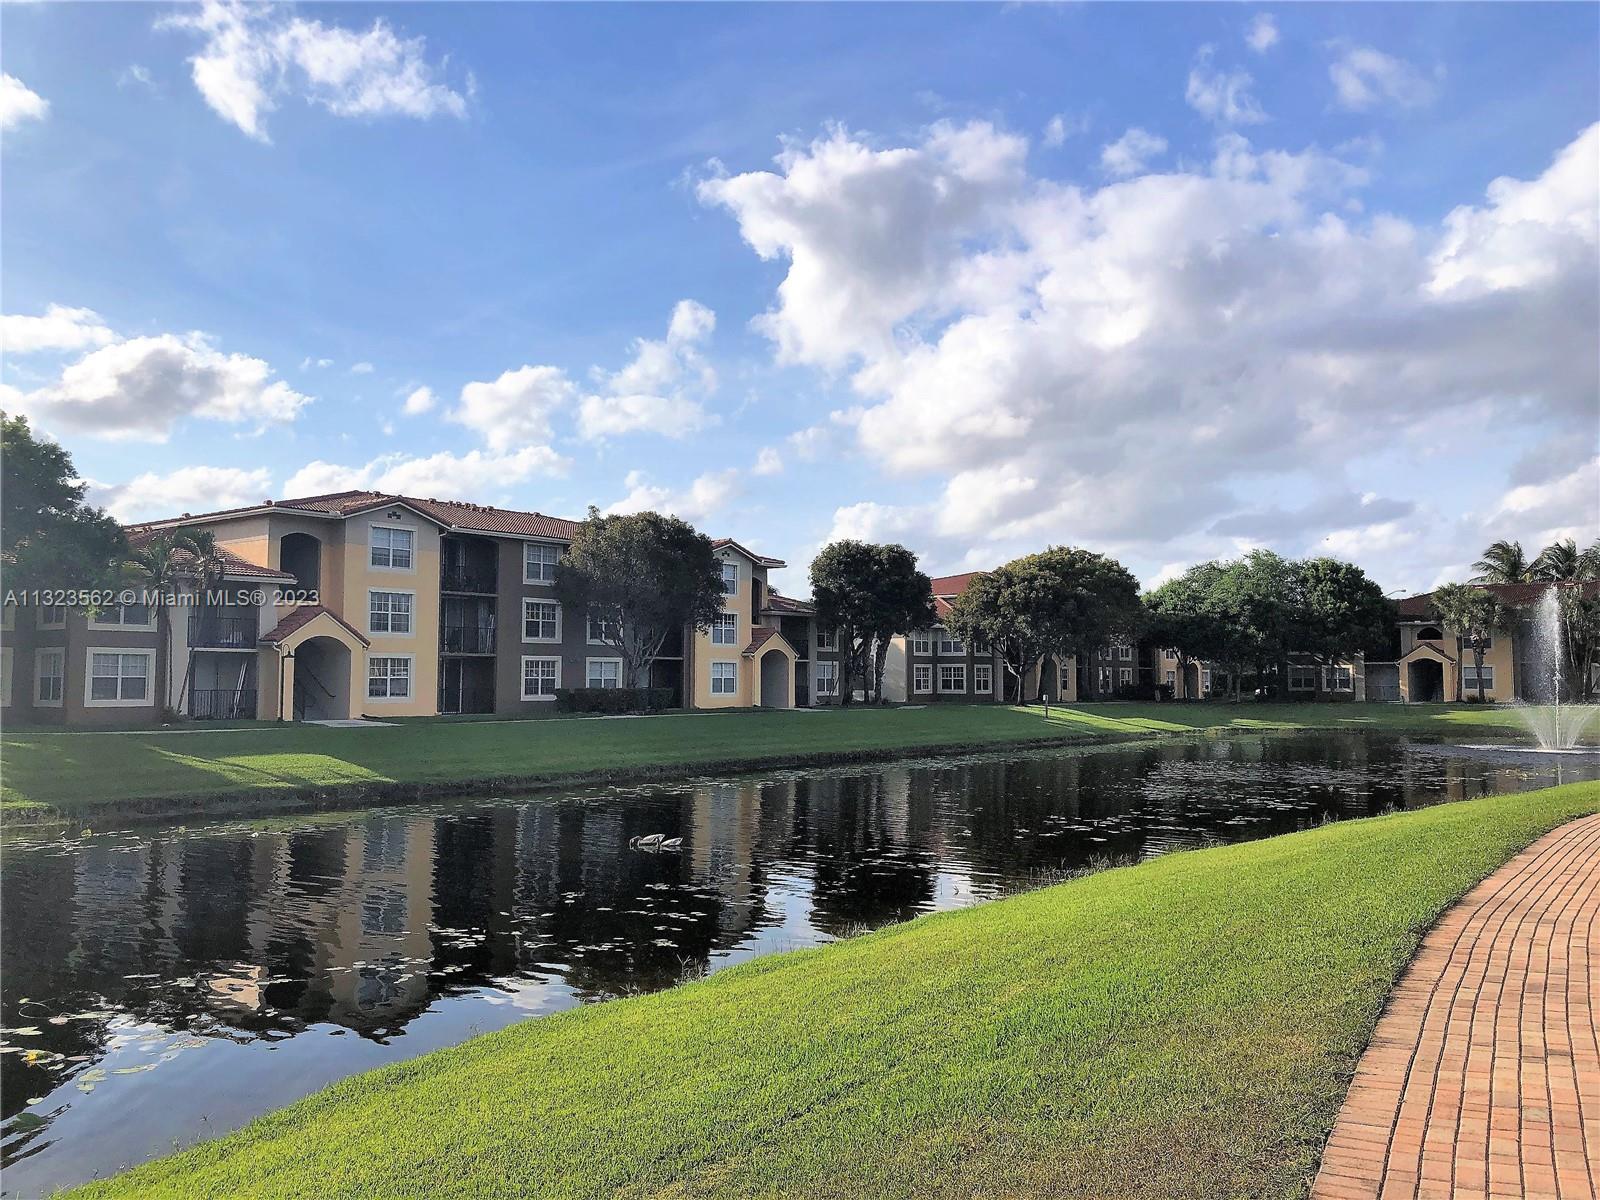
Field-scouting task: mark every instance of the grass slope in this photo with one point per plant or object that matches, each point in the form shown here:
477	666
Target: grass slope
1184	1028
76	772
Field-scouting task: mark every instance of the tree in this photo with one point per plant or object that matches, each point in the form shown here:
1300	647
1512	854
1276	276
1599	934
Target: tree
1255	598
49	538
640	577
159	565
1589	563
1580	623
1342	613
1477	615
867	593
1183	615
902	601
999	611
1557	562
1503	562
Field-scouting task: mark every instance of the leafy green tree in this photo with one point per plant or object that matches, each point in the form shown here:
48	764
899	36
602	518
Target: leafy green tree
643	577
1000	610
1503	562
866	593
1589	563
1342	612
49	538
1557	562
902	601
1477	615
1255	598
1184	615
1580	623
159	566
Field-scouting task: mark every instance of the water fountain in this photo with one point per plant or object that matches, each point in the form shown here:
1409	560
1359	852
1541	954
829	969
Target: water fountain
1555	726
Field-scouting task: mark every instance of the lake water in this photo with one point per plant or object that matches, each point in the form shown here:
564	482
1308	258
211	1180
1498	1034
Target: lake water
163	986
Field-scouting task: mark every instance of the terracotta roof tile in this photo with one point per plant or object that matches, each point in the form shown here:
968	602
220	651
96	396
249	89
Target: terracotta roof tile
760	635
1517	594
762	559
232	564
954	585
304	615
787	605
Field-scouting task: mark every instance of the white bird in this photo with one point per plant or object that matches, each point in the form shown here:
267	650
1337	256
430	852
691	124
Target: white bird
649	841
672	844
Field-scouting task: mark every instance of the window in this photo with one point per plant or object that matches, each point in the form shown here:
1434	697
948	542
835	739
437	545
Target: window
922	642
1337	679
725	630
1471	675
391	549
922	678
827	639
119	677
540	678
826	675
949	645
605	672
539	562
1488	644
952	677
1302	679
49	677
724	678
541	620
730	579
1125	675
389	678
1124	653
53	616
1105	678
1172	678
1205	681
983	678
389	612
1430	633
604	630
124	616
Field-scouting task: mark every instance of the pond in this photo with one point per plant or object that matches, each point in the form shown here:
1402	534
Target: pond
163	986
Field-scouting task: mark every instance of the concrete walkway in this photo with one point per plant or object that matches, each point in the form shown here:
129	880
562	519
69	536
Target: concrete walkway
1483	1077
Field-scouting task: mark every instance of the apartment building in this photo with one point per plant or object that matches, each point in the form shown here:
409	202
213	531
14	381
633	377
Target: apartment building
367	604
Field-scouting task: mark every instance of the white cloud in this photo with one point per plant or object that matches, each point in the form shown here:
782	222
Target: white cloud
656	392
141	388
515	409
443	476
420	401
1056	363
255	54
1262	34
308	363
1061	126
1132	152
60	328
811	444
361	368
1221	96
1364	78
705	496
19	103
768	462
135	75
186	490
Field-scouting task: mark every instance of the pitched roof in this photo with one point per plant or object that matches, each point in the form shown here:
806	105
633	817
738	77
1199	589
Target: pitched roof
760	635
452	514
954	585
303	615
1515	594
232	565
787	605
758	559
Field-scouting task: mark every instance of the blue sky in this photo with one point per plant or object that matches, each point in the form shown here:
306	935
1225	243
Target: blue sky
1169	282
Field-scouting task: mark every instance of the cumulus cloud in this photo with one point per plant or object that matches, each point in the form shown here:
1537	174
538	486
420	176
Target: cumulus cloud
188	489
135	75
768	462
443	476
1131	152
142	387
1108	365
421	400
1262	33
515	409
361	368
19	103
1364	79
1061	126
60	328
1337	510
704	497
1220	96
657	391
254	55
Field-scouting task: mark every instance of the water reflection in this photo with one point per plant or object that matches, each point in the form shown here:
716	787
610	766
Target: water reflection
163	987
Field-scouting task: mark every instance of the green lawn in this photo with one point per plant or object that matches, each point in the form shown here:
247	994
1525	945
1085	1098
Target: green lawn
1183	1028
78	773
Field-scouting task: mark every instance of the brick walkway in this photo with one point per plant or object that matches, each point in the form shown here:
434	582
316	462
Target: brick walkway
1483	1077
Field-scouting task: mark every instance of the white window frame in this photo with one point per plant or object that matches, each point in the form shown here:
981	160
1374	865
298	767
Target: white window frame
527	601
1302	678
728	565
1124	653
411	553
959	667
589	625
827	639
1340	679
411	616
949	645
88	677
1469	679
39	656
1124	676
527	562
589	665
728	621
410	677
1205	681
555	684
60	608
1171	679
825	671
983	679
723	677
96	622
922	679
922	642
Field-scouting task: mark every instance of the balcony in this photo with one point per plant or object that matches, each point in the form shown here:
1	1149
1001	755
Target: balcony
223	630
222	704
472	580
466	639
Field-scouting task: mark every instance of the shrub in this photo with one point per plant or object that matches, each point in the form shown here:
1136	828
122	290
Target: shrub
613	700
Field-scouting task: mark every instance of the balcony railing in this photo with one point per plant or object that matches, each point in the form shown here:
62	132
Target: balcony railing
222	704
223	630
477	580
467	639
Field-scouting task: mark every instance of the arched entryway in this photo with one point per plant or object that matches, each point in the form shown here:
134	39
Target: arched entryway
1425	680
777	680
322	681
312	667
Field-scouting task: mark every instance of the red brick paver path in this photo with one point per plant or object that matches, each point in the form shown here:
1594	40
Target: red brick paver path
1483	1077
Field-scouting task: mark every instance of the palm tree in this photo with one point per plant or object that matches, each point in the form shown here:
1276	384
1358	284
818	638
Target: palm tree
1589	563
1503	562
1557	562
1476	616
157	567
